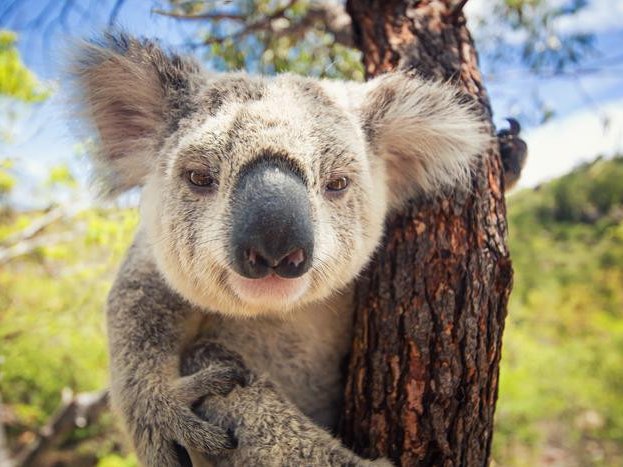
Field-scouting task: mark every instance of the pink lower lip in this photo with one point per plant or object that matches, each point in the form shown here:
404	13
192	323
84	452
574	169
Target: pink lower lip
269	288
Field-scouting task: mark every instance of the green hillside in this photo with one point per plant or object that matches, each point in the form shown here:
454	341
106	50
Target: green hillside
561	388
562	374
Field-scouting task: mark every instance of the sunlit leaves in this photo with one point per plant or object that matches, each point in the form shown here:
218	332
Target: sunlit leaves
536	37
60	175
51	311
16	81
7	179
17	84
274	37
561	365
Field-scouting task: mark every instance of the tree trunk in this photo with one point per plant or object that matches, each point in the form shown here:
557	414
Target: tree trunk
423	374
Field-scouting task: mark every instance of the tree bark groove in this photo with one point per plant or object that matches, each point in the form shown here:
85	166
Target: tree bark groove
423	373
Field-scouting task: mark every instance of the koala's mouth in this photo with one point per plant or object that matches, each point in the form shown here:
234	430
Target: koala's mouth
271	290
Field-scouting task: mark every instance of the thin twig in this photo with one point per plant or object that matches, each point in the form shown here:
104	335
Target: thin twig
202	16
333	18
458	7
29	246
112	18
5	459
75	411
262	23
37	225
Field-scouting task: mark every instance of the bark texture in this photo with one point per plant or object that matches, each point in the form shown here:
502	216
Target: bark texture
423	375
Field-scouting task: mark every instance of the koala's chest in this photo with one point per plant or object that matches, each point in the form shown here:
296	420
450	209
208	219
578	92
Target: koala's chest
303	353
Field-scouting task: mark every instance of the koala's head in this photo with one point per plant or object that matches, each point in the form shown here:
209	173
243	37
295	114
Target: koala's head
261	194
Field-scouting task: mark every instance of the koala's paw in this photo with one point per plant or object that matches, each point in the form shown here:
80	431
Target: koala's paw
217	379
514	152
272	431
172	424
167	421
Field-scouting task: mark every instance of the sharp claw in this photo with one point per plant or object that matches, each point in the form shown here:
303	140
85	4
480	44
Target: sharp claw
243	378
182	455
233	441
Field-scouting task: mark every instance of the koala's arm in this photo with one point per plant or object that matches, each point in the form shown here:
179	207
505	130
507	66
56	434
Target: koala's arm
271	430
146	329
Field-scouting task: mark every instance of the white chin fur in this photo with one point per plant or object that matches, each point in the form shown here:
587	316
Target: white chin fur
270	291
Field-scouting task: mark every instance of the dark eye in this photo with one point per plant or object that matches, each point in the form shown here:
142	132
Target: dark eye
201	179
338	184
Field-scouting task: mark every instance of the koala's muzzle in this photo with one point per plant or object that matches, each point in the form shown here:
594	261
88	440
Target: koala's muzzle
271	222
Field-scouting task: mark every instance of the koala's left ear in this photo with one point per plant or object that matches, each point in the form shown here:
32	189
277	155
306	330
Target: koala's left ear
426	135
133	93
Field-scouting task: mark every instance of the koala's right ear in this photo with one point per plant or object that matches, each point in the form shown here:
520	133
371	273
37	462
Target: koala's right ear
426	132
133	93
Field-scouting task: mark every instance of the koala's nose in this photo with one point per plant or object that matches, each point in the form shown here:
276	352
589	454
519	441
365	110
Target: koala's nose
291	265
272	229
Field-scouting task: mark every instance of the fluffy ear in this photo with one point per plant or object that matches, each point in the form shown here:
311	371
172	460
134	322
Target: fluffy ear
133	93
426	134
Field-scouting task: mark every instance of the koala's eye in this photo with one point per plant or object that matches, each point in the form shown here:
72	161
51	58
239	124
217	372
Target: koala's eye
201	179
337	184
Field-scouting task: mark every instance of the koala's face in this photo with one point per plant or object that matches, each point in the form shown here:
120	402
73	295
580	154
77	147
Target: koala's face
262	194
265	199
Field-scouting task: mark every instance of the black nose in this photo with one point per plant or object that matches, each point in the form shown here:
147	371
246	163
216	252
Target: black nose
272	228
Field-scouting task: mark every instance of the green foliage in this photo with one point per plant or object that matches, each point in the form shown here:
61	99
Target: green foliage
60	175
274	37
526	41
543	47
16	81
560	382
115	460
51	319
7	180
575	200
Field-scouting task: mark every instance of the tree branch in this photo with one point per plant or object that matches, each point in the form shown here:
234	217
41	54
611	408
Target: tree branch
202	16
28	246
333	18
265	23
75	411
37	225
112	18
5	459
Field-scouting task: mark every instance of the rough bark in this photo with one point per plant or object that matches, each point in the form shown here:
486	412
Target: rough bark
423	374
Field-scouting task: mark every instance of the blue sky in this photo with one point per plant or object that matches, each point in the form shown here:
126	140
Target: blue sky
588	107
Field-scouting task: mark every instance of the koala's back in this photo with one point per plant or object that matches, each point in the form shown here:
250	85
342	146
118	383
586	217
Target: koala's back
302	352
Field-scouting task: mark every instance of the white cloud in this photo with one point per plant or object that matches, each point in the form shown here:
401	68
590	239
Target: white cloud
477	8
597	16
560	145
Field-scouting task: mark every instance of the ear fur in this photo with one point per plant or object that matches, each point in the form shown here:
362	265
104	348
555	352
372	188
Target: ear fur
424	131
133	93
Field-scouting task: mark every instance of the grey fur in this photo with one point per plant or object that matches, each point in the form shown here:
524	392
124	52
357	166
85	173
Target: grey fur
177	313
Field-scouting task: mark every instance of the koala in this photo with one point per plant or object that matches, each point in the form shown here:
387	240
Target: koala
262	198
